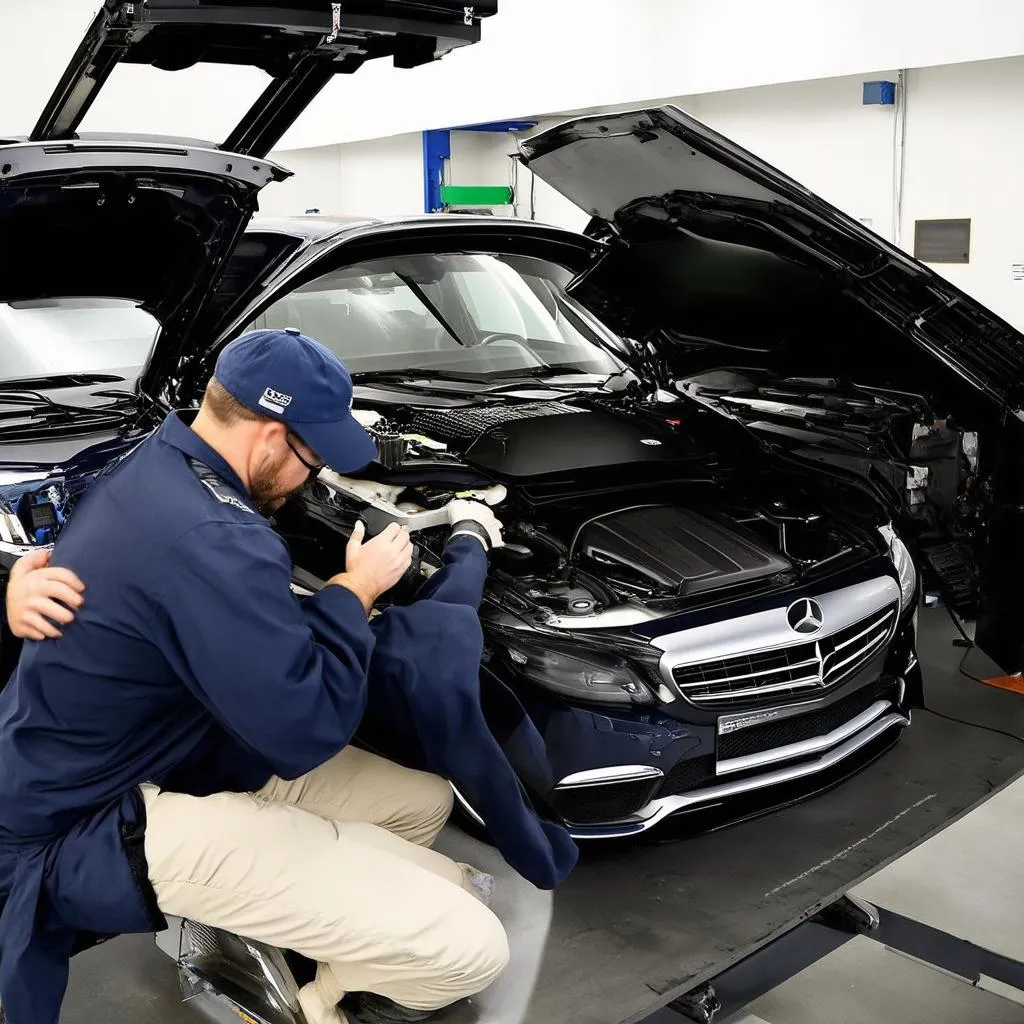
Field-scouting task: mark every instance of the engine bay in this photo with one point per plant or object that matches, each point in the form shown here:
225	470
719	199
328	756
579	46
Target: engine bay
621	511
659	524
926	459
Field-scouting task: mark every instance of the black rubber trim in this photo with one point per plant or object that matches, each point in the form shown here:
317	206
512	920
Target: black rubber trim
473	527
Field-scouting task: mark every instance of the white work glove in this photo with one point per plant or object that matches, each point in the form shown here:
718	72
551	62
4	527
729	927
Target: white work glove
475	519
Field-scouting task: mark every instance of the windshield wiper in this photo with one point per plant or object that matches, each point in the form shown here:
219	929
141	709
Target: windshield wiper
418	382
40	405
61	380
409	376
530	377
436	313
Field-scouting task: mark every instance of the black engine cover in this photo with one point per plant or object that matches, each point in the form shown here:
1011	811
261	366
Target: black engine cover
675	549
538	439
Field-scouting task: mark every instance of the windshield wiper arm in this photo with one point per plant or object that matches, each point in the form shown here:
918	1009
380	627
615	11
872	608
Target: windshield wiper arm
436	313
530	377
410	376
61	380
415	382
42	404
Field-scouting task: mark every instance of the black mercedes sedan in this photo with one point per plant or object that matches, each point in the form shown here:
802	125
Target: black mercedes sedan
728	428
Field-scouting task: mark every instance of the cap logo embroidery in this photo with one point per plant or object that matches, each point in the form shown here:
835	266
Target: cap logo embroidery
275	401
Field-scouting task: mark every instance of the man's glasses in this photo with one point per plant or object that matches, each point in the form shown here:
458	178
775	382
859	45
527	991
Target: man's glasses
313	467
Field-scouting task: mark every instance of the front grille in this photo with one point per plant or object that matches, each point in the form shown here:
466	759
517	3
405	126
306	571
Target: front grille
774	676
759	738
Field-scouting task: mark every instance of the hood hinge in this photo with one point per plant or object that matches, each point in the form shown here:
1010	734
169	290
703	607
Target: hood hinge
335	23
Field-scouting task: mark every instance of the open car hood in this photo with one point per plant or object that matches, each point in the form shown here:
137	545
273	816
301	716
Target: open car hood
723	254
160	221
150	223
301	44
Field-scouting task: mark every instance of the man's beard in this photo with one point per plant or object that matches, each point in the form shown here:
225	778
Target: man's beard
265	490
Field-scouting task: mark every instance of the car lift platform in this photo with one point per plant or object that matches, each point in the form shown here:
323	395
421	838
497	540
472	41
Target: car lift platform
650	931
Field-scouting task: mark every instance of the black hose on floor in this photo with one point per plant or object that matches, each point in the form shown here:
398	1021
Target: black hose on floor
969	644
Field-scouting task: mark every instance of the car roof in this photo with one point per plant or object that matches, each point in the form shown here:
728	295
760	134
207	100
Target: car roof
315	227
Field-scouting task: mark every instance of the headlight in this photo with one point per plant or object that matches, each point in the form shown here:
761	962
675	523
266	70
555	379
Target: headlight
578	673
900	556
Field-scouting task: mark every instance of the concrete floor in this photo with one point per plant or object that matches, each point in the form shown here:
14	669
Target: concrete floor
968	881
864	983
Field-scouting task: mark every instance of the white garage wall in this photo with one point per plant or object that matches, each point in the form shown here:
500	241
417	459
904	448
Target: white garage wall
382	177
316	183
963	154
965	149
537	56
820	133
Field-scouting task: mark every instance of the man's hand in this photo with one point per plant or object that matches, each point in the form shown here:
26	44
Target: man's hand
38	596
377	565
463	513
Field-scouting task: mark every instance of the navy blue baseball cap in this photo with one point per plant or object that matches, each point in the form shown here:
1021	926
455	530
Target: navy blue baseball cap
288	377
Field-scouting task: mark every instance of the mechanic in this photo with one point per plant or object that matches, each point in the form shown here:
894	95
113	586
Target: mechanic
183	748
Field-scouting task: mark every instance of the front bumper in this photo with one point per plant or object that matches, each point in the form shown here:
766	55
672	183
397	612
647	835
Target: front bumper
697	753
755	772
769	758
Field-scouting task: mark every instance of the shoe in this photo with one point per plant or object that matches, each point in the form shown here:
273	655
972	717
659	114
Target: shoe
370	1008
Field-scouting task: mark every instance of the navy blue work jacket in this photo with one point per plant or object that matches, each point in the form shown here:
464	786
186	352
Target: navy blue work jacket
191	665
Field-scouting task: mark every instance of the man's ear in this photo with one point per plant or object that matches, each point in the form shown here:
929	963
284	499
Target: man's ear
272	435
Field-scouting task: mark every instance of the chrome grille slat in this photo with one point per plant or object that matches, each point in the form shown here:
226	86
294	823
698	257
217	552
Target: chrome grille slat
856	656
807	683
766	676
874	625
766	672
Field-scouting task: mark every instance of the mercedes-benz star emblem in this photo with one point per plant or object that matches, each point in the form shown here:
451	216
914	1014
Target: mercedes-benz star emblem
804	616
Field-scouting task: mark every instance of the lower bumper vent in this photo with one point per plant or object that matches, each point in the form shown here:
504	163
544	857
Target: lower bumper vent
759	738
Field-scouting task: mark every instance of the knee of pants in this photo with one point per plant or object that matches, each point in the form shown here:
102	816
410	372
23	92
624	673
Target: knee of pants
440	797
481	957
433	800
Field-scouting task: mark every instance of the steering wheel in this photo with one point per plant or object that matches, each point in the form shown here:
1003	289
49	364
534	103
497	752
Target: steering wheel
530	356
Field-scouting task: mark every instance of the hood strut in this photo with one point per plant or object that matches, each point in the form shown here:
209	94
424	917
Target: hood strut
274	112
300	44
96	57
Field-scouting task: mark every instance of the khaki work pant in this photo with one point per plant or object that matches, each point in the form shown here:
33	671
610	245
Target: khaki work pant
335	866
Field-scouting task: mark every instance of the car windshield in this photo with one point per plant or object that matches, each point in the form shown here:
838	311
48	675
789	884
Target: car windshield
480	315
74	336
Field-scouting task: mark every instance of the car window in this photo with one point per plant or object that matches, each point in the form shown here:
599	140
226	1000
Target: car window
469	313
74	335
493	307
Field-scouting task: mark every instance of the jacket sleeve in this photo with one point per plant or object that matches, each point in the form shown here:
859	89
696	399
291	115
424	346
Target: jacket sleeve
288	679
462	575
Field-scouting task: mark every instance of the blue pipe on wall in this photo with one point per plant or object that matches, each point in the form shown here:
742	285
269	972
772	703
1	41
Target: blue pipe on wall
437	148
